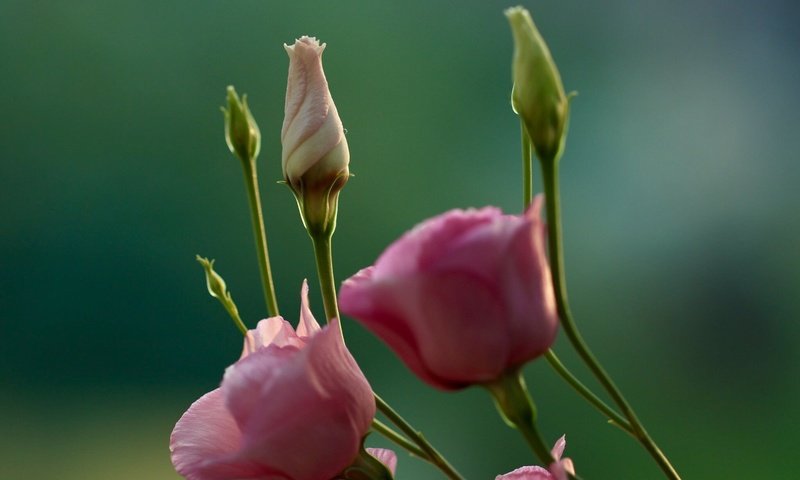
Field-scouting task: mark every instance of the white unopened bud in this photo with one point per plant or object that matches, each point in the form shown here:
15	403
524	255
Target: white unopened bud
315	155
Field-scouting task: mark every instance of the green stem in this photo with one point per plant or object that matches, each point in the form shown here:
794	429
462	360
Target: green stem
551	188
429	453
254	199
552	359
588	395
400	440
324	260
527	168
327	282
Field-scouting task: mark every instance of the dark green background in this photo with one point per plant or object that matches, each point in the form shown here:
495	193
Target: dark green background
680	199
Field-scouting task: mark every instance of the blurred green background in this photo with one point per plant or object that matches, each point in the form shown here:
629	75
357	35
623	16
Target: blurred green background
680	197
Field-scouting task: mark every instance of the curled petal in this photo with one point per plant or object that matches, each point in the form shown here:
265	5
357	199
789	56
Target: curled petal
386	457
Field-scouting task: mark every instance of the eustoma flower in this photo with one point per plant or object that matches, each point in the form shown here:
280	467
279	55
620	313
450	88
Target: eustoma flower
295	406
315	156
557	471
462	298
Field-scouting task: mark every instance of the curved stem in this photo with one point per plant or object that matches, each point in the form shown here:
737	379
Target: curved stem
257	217
588	395
430	453
395	437
550	178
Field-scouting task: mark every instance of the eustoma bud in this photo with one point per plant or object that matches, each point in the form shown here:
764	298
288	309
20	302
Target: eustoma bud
241	131
462	298
315	155
538	95
294	406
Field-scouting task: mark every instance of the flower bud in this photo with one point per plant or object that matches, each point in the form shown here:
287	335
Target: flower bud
214	282
241	131
538	94
315	155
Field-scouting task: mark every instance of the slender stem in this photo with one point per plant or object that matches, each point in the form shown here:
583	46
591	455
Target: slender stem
327	282
588	395
400	440
324	260
552	359
527	168
550	178
430	453
254	198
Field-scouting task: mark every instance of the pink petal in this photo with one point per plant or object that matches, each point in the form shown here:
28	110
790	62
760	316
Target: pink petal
204	440
558	447
527	473
308	326
270	331
375	303
386	457
294	404
425	243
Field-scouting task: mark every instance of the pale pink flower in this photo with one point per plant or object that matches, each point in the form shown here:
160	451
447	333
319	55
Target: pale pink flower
461	298
558	470
315	156
295	406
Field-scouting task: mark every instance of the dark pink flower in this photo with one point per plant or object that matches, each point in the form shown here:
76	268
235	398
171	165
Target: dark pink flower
294	407
461	298
558	470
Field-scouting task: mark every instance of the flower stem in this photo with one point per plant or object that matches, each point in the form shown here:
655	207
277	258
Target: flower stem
254	199
527	167
552	359
588	395
429	453
397	438
327	282
551	188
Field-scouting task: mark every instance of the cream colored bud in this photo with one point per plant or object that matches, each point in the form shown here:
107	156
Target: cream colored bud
315	156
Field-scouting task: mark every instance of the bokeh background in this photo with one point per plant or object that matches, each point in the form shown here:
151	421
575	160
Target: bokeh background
680	197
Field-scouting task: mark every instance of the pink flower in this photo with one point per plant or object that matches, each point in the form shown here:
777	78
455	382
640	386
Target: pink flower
461	298
295	406
558	469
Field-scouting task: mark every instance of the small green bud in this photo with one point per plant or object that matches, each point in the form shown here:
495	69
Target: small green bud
217	288
215	283
538	94
241	131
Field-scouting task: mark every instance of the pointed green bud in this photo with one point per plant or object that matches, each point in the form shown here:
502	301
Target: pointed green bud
215	284
241	131
538	94
217	288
